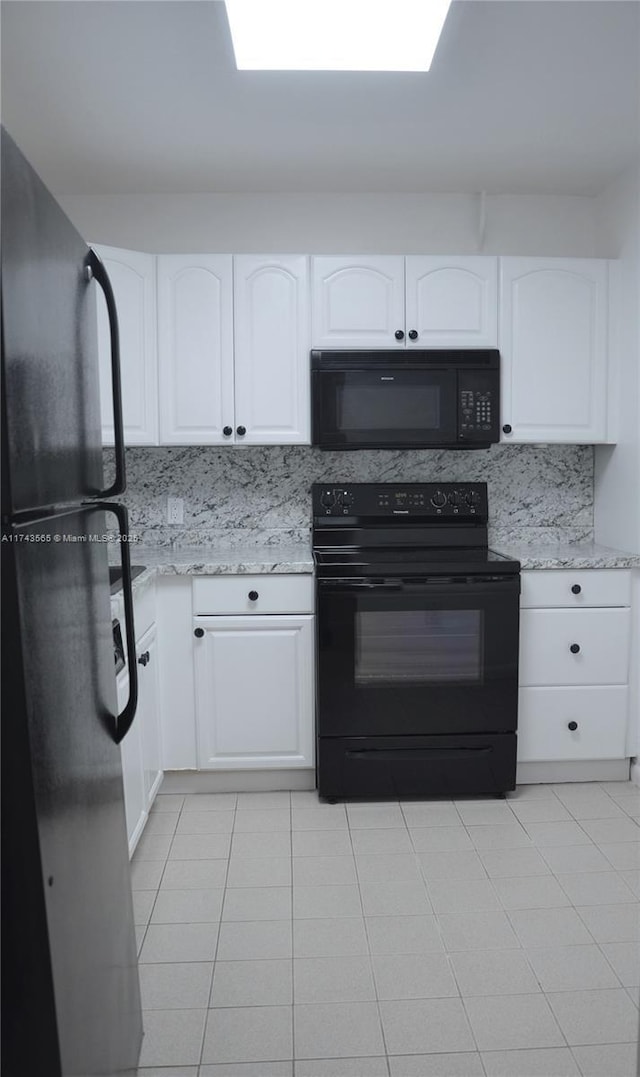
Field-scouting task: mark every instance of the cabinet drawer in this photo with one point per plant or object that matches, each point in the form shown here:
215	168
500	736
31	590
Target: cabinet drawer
269	594
544	717
546	638
555	587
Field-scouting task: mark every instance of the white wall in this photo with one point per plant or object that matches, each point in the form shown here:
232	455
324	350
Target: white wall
338	223
617	470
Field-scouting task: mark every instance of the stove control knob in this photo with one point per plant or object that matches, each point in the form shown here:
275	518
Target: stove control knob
471	498
347	498
438	500
328	498
452	498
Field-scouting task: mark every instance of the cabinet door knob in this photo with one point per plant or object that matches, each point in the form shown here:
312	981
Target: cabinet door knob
143	659
253	596
576	589
227	431
198	633
241	430
572	726
507	428
399	335
413	334
575	648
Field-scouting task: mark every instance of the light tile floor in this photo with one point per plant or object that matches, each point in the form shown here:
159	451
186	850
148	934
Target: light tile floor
283	937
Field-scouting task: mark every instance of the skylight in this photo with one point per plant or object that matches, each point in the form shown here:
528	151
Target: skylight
335	35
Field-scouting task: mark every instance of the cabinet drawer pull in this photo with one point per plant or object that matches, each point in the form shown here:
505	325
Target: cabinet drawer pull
198	633
576	589
572	726
575	648
253	596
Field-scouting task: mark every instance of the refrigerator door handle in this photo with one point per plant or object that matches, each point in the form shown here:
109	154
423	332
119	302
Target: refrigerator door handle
95	269
124	720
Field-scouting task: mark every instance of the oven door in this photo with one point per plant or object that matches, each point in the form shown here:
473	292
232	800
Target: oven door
384	408
406	657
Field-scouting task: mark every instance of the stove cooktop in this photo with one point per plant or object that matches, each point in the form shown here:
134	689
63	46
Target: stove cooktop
411	562
409	529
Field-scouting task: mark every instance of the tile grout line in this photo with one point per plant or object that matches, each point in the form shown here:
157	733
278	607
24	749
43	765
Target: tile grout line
369	954
293	979
215	954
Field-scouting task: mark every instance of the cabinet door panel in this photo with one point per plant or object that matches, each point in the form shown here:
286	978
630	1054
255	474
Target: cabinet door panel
544	714
553	346
132	770
452	302
546	638
357	302
253	692
149	715
133	279
271	318
195	339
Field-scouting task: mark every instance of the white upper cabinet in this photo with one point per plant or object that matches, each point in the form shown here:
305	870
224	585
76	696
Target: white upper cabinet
132	277
195	347
417	301
451	302
553	344
358	302
271	320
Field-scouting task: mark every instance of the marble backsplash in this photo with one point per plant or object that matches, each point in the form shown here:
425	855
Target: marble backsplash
540	493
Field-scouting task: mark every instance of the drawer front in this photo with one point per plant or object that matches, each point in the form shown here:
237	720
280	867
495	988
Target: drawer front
252	594
600	715
576	590
546	639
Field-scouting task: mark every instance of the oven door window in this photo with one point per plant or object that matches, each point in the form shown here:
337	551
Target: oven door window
425	647
408	407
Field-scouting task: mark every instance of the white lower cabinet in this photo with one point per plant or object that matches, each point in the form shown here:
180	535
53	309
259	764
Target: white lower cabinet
141	749
254	691
588	646
572	723
148	714
132	772
575	630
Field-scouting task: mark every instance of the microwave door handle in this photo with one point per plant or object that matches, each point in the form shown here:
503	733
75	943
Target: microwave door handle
95	269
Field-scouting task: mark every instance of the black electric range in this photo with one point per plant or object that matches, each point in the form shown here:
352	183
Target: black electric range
417	642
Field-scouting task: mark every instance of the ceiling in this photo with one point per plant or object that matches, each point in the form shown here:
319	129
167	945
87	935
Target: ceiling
140	96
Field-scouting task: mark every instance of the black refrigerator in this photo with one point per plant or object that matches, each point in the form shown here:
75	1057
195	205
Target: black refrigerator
70	989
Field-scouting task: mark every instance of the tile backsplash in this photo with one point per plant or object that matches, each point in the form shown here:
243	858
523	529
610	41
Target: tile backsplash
536	492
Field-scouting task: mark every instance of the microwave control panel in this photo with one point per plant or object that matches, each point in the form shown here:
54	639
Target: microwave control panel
478	407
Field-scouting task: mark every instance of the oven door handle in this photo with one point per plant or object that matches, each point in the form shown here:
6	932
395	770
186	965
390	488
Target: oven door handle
389	755
446	585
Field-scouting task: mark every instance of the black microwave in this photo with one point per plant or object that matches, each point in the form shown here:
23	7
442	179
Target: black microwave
417	399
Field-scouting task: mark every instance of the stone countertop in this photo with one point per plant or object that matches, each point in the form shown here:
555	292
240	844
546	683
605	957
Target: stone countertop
297	558
567	555
207	561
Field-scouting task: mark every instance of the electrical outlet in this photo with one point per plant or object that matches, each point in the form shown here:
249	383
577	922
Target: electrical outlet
175	510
